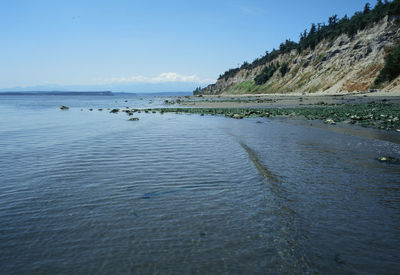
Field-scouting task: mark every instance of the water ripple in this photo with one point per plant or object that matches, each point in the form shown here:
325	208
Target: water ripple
90	192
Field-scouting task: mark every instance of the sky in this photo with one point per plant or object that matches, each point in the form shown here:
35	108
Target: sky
128	45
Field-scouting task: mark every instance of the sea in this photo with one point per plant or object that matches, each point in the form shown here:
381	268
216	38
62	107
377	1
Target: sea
90	192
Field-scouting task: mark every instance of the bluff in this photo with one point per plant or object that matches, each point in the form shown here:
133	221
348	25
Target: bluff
346	63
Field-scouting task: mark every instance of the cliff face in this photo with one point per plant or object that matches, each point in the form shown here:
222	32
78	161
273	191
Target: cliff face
347	64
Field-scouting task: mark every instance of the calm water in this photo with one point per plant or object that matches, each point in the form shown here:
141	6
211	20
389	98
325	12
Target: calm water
91	192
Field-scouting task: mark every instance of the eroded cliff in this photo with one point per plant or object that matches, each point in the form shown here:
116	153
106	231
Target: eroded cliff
345	64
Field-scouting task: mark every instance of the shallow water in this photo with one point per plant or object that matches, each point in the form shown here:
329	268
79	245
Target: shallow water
91	192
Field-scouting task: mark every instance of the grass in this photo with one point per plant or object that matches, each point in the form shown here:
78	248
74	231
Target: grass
245	87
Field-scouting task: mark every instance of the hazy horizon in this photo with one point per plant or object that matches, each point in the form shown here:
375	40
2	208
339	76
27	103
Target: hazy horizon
134	46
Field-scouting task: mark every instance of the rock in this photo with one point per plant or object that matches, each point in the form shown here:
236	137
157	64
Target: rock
100	110
237	116
114	111
330	121
90	109
390	160
354	117
134	119
62	107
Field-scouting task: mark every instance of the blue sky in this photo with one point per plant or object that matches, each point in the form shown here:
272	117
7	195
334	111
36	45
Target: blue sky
103	44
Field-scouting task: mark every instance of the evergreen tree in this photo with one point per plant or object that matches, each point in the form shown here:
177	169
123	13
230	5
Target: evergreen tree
391	70
319	32
394	8
284	69
367	8
265	74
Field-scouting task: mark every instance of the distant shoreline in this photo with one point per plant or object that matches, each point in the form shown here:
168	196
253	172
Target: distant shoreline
101	93
67	93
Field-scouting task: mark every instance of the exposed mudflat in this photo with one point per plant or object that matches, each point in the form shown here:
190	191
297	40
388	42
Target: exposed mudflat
280	100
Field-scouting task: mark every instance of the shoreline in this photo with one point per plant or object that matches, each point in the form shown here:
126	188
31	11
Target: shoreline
281	100
366	115
320	93
379	112
372	115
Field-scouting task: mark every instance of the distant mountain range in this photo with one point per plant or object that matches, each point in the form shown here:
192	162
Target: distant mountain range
92	93
126	87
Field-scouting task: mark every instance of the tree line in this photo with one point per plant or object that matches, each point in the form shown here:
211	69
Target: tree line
335	27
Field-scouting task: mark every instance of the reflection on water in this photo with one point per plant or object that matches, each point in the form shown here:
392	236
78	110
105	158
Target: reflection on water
91	192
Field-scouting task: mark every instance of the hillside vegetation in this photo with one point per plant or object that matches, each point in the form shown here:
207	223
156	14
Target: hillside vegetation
347	54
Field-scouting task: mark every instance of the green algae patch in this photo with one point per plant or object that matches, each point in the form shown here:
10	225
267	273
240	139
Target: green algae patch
380	115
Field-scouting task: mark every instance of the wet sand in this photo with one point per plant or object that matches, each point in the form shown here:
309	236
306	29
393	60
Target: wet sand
282	101
303	103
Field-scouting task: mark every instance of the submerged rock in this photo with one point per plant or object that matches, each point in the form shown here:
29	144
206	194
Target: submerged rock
390	160
62	107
